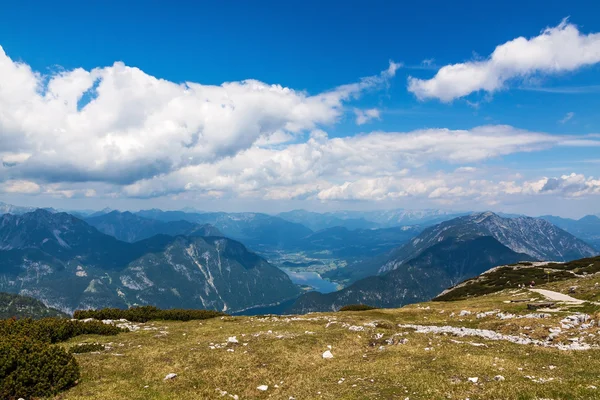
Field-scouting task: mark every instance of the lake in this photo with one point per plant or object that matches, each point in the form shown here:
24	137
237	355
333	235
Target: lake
312	279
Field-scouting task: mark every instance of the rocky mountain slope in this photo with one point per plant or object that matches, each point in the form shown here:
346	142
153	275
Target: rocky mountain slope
586	228
68	264
129	227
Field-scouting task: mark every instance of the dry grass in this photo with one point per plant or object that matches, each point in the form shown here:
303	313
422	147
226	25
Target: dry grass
286	354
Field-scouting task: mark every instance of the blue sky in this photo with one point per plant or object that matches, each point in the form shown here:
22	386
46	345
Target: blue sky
270	153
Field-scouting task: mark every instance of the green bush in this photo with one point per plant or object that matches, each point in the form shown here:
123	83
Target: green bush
86	348
31	368
147	313
54	330
357	307
31	365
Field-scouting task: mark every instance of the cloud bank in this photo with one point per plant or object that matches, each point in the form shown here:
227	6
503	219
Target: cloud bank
556	50
117	132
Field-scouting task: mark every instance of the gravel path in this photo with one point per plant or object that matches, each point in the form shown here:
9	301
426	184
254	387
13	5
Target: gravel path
551	295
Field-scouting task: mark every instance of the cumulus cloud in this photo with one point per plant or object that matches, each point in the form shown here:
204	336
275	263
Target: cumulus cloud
559	49
118	124
364	116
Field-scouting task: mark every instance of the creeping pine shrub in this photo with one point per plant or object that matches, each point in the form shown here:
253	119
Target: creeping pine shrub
357	307
54	330
31	365
147	313
31	368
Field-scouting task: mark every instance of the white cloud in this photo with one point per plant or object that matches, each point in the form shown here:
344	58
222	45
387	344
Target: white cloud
558	49
372	166
364	116
118	124
569	116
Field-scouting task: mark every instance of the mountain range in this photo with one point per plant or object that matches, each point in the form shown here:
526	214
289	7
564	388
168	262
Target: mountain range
68	264
197	259
448	253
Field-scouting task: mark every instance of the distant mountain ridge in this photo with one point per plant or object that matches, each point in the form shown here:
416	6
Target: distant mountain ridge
321	221
253	229
129	227
369	219
6	208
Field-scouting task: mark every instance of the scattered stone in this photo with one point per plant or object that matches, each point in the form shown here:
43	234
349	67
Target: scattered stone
464	313
499	378
492	335
474	379
170	376
232	339
327	354
263	388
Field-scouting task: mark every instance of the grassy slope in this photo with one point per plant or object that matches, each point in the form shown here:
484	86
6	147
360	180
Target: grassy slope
512	275
281	352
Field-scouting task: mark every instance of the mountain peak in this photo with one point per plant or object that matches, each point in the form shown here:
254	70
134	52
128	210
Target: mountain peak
480	217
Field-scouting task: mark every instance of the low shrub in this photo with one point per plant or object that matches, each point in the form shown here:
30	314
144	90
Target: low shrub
54	330
147	313
86	348
357	307
31	368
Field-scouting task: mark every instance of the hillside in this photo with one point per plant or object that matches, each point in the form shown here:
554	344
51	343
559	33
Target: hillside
483	348
501	277
14	305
